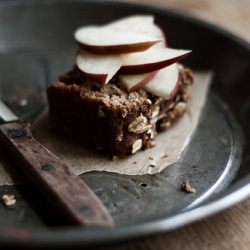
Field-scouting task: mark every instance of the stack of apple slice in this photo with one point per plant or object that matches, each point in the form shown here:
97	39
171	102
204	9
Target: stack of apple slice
135	49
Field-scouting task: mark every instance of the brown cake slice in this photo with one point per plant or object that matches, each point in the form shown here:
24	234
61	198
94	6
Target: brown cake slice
113	120
93	103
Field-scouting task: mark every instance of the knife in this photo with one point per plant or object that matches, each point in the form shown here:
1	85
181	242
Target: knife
67	193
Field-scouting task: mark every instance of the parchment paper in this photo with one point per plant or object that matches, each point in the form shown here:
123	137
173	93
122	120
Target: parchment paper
169	145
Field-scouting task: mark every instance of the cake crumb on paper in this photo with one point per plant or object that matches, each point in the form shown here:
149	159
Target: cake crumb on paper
165	156
153	164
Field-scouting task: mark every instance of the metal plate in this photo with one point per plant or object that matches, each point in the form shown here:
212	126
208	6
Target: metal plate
39	46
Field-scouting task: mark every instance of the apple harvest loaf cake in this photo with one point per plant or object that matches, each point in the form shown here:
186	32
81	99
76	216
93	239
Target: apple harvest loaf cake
120	112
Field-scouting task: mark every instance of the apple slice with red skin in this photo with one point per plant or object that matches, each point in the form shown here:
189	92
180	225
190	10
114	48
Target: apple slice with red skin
151	60
98	68
111	40
165	83
156	31
101	68
135	82
143	24
137	23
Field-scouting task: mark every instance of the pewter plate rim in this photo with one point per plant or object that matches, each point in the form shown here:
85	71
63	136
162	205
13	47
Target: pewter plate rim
57	237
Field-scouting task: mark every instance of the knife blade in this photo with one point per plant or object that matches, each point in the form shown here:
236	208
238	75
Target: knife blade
67	193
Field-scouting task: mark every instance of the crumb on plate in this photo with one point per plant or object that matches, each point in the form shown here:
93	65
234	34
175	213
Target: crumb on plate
186	187
9	200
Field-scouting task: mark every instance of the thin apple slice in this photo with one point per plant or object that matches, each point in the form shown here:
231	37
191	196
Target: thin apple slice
135	82
137	23
143	24
98	68
108	40
157	32
165	83
151	60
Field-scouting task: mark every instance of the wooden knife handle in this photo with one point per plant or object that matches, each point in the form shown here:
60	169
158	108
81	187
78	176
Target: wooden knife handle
66	192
